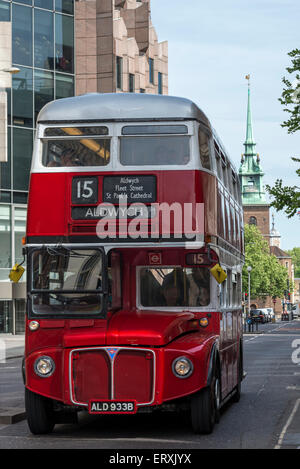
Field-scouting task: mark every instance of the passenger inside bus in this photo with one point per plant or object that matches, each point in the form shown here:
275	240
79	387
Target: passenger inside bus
175	287
171	291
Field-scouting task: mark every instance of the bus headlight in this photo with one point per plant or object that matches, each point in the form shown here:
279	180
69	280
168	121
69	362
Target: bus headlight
44	367
182	367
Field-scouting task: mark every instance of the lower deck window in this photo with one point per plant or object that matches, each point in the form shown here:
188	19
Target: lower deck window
174	286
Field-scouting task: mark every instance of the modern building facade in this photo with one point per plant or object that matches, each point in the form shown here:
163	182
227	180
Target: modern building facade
61	48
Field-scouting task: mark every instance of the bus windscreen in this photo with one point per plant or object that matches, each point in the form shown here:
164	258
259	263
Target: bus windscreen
67	282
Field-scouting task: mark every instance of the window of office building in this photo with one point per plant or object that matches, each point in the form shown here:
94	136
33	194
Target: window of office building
64	43
4	11
64	86
21	35
19	217
43	89
22	138
43	39
5	237
22	98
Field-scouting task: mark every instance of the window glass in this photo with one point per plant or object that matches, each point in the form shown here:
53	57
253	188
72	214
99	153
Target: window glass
65	6
20	197
21	35
43	39
22	90
71	280
119	71
5	236
22	154
72	131
64	43
64	86
204	149
154	129
26	2
20	215
141	151
175	286
151	70
131	83
44	90
4	11
160	83
83	152
48	4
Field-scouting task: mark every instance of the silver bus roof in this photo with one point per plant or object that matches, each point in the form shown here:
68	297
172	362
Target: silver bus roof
121	107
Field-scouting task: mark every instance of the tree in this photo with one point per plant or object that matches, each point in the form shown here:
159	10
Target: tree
295	254
268	276
287	198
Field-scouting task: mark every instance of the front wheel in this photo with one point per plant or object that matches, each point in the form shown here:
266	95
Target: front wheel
39	412
205	407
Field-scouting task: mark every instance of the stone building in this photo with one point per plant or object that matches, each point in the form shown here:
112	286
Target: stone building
117	48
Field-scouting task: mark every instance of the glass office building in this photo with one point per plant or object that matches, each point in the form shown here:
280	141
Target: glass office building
43	49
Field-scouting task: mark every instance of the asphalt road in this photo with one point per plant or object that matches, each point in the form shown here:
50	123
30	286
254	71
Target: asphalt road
267	416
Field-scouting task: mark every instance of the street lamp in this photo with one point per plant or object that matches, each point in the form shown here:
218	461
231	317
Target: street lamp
249	268
11	70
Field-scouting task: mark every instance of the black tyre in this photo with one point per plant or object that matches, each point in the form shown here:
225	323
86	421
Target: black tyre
205	407
39	412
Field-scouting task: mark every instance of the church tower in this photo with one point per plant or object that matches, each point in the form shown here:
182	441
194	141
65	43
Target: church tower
256	208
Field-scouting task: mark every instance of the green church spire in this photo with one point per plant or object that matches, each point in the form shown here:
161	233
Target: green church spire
251	173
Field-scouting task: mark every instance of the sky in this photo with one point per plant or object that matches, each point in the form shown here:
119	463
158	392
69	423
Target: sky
212	46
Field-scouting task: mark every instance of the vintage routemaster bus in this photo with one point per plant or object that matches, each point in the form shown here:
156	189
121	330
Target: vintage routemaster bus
134	250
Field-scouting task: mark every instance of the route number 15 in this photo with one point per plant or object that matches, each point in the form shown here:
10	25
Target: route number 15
85	190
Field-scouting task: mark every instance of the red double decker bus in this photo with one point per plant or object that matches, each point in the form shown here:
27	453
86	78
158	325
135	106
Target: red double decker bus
134	216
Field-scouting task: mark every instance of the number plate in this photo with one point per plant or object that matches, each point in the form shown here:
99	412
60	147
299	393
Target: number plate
112	407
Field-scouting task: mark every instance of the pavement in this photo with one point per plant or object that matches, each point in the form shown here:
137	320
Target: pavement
11	346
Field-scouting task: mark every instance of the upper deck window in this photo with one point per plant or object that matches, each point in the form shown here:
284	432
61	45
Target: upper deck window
204	149
79	152
154	129
152	151
74	131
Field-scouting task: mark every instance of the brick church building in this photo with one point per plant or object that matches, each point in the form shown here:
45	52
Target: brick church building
257	209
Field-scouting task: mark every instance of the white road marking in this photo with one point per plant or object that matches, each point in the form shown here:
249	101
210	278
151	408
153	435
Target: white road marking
289	420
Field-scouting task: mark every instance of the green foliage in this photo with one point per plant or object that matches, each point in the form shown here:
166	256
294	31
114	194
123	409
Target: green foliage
295	254
268	276
287	198
291	94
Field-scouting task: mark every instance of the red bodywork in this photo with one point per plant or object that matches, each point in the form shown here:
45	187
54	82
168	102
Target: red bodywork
50	204
146	342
